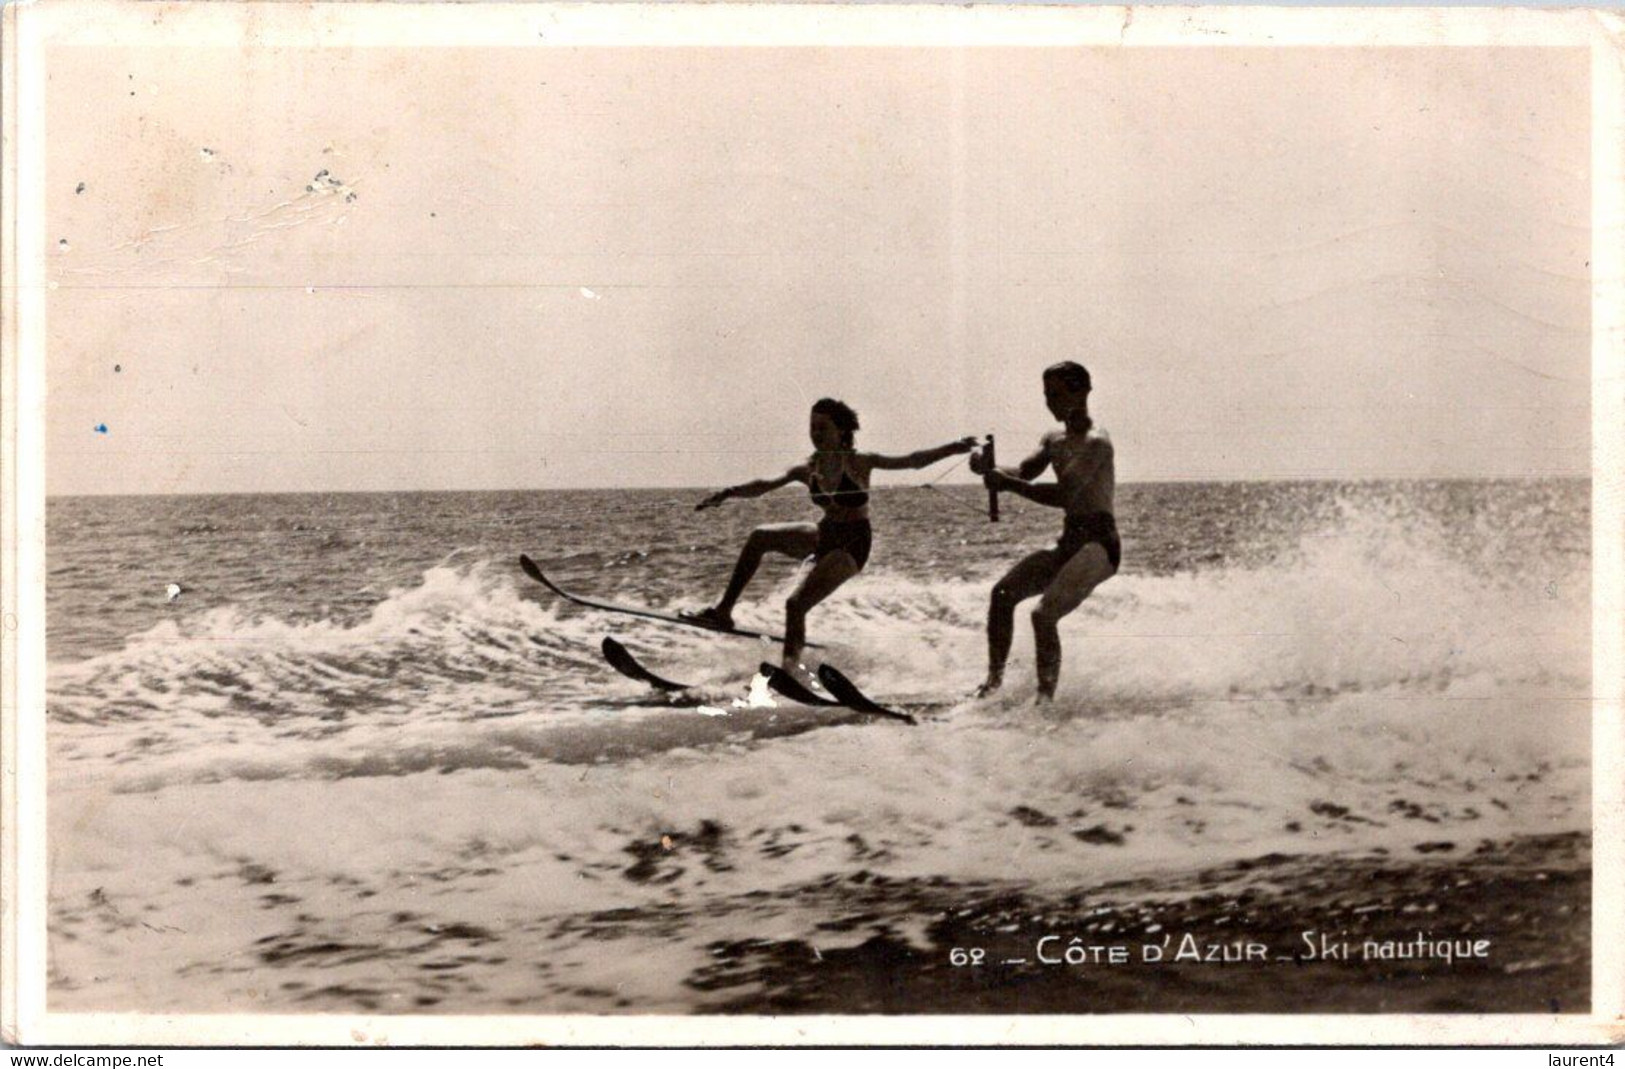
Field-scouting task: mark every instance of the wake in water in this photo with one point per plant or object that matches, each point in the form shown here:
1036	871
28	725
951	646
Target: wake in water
1356	611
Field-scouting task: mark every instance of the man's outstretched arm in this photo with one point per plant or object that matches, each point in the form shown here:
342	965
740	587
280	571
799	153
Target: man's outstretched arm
1027	470
1043	493
1050	494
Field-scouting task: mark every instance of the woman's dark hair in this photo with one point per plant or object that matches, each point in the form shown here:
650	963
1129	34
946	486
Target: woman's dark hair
840	414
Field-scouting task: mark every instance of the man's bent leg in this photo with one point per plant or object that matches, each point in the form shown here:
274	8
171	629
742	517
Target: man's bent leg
1027	579
1087	569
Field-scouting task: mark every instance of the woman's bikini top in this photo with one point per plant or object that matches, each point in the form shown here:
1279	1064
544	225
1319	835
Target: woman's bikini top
849	495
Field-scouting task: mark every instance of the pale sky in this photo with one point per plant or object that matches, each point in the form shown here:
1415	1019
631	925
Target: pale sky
551	267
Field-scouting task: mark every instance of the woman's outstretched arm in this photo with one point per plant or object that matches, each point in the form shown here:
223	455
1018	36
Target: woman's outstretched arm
924	458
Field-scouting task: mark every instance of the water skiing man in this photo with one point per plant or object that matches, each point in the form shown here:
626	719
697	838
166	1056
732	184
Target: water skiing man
1088	552
837	475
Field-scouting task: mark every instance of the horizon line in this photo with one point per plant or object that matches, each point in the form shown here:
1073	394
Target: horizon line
1173	480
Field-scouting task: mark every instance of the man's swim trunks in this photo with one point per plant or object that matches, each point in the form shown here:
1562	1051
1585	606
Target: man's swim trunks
1080	531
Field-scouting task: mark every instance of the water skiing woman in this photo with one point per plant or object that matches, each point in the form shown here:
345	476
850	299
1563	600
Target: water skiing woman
838	477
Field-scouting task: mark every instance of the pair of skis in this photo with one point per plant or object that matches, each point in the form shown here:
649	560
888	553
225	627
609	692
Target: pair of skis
844	694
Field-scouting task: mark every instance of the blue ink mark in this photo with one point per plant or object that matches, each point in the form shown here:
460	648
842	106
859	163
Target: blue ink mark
101	428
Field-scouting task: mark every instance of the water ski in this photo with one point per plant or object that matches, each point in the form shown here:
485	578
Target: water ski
790	687
620	658
847	695
531	569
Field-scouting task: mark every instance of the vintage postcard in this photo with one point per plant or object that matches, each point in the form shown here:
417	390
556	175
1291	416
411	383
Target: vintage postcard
773	524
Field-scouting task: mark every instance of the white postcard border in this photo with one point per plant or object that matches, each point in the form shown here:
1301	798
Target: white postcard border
31	28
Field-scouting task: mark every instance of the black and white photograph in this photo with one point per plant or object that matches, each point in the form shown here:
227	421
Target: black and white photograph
877	513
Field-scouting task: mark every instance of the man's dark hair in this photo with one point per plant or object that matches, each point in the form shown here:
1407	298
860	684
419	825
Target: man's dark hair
840	414
1072	374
